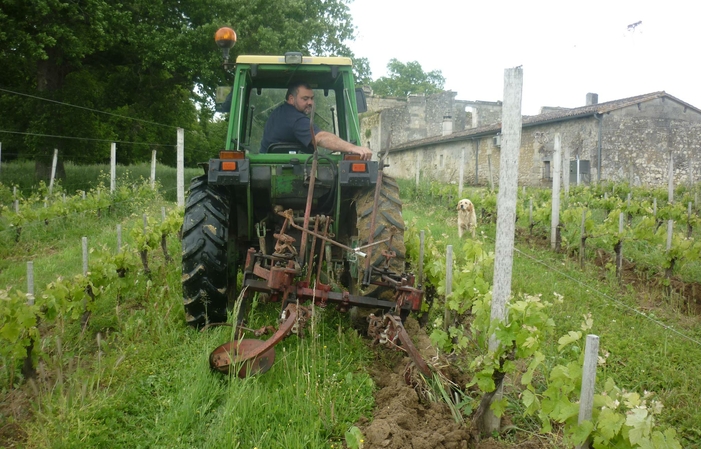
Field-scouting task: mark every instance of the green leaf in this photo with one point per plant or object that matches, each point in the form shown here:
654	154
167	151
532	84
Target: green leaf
527	377
666	440
640	423
485	381
571	337
354	438
10	331
582	432
499	407
609	424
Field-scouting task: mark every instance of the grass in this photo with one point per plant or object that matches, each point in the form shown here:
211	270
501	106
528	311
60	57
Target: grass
138	377
86	177
652	343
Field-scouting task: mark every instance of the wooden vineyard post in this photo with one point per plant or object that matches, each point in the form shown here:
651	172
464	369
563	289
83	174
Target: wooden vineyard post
153	170
618	248
113	167
448	286
586	397
28	365
489	169
506	227
565	170
143	252
555	216
583	239
180	166
671	178
672	260
53	171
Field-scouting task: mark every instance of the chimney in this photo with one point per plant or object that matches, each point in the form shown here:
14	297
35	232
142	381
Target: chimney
592	99
447	125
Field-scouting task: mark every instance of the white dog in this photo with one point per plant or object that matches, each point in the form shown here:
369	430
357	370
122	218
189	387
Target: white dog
467	219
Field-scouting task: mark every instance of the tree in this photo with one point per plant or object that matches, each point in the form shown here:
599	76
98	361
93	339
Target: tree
361	71
153	61
406	79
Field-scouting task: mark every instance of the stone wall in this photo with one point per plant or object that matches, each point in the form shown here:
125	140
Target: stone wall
635	144
379	103
416	118
484	112
441	161
578	137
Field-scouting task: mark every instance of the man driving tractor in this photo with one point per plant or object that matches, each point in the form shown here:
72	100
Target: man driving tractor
290	123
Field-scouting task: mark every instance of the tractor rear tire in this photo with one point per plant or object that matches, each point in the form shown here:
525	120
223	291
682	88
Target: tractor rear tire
389	215
204	244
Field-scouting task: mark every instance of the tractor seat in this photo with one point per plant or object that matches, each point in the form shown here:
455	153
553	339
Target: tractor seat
288	148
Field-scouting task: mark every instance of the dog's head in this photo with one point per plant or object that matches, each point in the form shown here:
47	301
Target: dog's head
465	205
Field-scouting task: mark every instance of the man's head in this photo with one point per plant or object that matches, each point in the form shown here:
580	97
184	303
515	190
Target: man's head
301	96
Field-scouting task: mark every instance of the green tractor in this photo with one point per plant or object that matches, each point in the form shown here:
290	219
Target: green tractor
300	227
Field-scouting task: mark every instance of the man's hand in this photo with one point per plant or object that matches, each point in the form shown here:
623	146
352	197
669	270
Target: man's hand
365	153
334	143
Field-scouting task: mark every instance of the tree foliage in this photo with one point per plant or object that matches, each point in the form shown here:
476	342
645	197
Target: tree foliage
361	71
406	79
153	61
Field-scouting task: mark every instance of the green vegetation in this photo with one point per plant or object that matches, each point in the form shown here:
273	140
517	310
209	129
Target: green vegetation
136	376
405	79
89	177
649	342
135	71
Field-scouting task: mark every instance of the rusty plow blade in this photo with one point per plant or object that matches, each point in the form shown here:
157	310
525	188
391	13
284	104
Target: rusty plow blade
388	330
248	357
238	353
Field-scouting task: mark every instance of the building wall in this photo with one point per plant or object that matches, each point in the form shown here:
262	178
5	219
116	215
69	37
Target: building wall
441	161
416	118
636	143
376	104
484	113
578	138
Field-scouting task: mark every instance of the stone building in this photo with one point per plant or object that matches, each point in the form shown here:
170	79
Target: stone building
414	118
628	140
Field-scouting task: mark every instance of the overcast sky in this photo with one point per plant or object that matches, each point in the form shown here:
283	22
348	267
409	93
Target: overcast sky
566	48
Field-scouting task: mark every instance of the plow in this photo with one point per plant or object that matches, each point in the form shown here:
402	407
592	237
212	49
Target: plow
284	278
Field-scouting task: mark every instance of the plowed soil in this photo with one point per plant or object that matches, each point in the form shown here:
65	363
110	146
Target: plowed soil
405	419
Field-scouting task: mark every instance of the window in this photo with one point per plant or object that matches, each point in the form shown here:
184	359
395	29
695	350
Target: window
546	170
